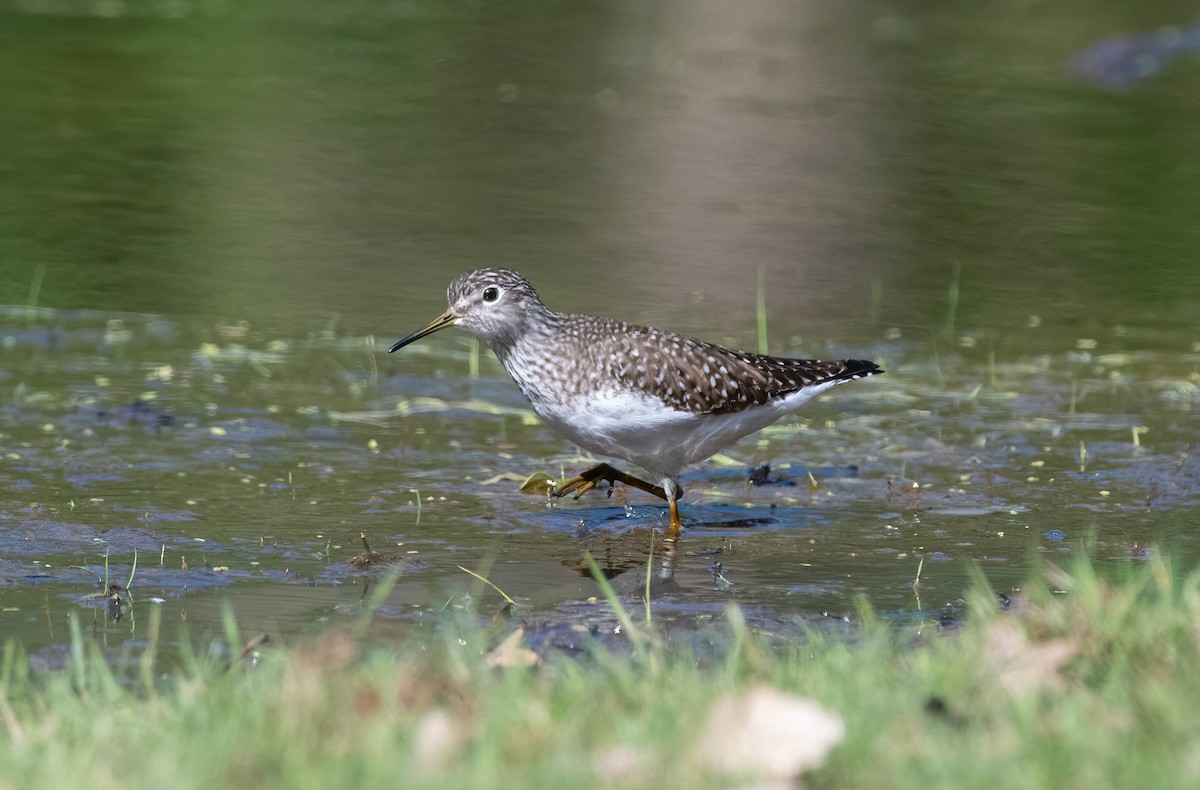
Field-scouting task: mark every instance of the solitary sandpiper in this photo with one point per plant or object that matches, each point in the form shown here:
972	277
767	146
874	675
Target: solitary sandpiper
657	399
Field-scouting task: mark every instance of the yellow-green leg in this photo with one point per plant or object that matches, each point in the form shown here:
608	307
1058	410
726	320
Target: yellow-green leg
675	528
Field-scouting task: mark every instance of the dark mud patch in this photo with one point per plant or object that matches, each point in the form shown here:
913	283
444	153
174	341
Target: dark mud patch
32	536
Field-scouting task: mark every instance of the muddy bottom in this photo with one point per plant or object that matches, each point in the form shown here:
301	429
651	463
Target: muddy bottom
245	473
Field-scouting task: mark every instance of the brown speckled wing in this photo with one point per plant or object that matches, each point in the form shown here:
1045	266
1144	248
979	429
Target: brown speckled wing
703	378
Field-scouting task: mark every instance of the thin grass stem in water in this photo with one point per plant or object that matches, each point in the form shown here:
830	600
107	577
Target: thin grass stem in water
761	310
489	583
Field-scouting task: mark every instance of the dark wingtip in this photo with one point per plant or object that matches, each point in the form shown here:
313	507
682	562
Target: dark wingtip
857	369
864	367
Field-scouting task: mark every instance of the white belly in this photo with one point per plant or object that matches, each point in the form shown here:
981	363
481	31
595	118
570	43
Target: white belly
641	430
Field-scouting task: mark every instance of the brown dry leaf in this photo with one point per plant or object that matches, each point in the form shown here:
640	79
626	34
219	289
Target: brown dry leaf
307	673
1021	665
768	734
538	483
512	653
504	477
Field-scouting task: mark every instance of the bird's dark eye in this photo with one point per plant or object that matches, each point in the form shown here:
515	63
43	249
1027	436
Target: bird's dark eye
491	293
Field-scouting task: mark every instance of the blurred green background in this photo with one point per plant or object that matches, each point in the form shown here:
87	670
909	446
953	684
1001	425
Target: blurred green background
289	163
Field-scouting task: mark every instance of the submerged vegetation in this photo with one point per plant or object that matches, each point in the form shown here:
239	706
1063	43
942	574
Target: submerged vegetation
1082	680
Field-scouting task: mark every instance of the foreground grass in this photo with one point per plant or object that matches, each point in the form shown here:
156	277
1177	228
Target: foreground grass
1088	682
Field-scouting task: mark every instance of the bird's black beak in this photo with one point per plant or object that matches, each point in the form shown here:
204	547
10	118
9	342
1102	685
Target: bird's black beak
442	321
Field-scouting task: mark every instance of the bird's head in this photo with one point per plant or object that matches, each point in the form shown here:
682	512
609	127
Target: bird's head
495	305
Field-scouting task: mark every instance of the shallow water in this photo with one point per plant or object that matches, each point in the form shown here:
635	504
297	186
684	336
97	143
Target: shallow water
212	225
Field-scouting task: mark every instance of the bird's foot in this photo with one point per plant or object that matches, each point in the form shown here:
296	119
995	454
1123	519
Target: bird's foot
586	481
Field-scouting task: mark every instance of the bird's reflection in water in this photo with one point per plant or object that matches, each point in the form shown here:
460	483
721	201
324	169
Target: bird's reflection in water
617	553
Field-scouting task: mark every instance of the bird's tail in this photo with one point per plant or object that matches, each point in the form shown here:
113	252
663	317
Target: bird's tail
855	369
